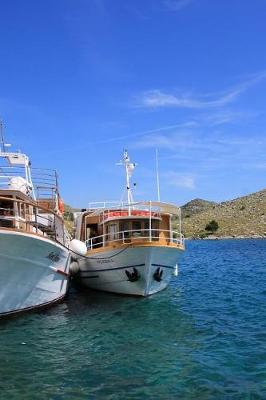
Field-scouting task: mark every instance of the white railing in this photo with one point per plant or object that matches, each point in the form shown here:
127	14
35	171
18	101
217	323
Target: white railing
106	204
126	237
29	217
44	180
98	208
122	205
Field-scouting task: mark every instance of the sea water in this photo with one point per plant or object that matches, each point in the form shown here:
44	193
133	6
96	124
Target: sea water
204	337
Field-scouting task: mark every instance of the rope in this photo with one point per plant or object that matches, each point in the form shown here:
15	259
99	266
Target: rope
96	258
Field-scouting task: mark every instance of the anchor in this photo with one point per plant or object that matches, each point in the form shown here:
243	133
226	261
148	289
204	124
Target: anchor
158	274
133	276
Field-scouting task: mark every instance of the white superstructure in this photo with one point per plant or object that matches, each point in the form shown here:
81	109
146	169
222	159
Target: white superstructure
34	255
132	247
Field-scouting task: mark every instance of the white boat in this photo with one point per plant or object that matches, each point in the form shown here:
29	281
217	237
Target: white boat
34	255
132	247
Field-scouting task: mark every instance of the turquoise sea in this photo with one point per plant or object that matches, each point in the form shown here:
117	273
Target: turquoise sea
202	338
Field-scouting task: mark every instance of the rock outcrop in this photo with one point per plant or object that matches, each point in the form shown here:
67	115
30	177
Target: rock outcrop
241	217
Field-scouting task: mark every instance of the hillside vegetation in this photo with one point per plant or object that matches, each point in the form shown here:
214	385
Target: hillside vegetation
69	217
196	206
241	217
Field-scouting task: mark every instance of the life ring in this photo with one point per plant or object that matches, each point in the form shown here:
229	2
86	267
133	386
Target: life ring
61	206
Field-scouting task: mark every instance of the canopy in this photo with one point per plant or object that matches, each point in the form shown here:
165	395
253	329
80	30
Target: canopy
161	207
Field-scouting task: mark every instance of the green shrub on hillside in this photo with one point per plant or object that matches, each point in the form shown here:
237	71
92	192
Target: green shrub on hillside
212	226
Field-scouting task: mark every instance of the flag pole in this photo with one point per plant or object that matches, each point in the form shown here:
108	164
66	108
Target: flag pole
157	176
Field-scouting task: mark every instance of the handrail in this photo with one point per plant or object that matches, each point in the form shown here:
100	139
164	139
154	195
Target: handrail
43	220
42	179
95	205
122	236
151	206
33	203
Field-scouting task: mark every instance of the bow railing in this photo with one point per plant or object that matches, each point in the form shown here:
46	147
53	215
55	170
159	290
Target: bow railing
129	236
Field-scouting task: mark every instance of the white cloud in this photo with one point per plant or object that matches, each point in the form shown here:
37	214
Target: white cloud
156	98
177	179
188	124
154	141
176	5
221	117
207	153
181	141
261	165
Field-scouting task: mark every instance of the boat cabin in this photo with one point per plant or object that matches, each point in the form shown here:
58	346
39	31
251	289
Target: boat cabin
112	224
29	202
139	222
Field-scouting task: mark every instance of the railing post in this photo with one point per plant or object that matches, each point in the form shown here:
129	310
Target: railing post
180	226
55	230
36	218
16	214
150	237
170	229
63	229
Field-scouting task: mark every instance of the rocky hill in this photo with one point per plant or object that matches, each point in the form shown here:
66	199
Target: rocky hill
69	217
244	216
196	206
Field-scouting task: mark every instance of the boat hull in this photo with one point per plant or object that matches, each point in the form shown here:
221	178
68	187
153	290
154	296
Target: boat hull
138	270
33	272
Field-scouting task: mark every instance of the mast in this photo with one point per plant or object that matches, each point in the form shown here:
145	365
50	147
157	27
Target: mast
129	168
157	177
3	149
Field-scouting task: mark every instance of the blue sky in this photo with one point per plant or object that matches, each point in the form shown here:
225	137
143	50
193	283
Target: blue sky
82	79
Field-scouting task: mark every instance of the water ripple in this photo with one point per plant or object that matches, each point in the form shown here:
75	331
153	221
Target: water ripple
202	338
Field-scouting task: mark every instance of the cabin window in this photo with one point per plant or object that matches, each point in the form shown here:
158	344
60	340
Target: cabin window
124	227
112	232
155	229
155	224
22	210
91	230
136	228
6	213
146	228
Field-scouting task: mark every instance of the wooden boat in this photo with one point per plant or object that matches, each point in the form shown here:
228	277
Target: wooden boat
34	255
132	248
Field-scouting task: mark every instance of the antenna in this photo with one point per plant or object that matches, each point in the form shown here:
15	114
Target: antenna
129	168
157	176
3	149
2	140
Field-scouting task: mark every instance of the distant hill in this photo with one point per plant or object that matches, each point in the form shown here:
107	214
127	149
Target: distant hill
69	217
69	209
244	216
196	206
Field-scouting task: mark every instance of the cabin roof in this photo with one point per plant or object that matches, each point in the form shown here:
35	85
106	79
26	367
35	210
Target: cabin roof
155	206
15	193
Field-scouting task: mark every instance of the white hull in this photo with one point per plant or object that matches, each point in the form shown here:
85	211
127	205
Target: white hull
29	276
138	270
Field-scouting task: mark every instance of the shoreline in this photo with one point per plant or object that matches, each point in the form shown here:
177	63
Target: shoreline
227	237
